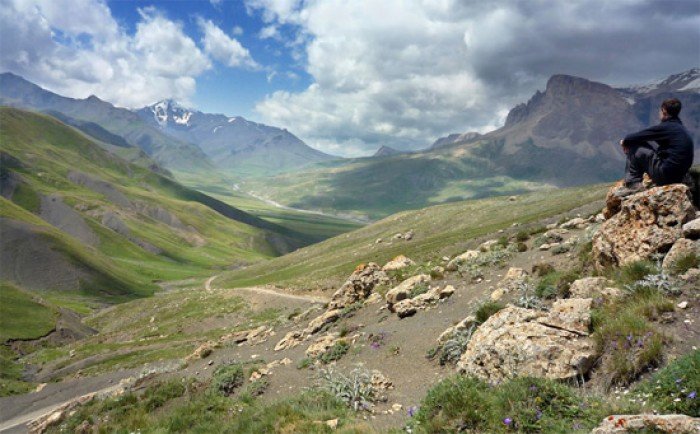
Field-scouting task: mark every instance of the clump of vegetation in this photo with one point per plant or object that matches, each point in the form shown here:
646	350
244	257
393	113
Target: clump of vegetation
522	236
658	282
556	283
335	352
630	344
304	363
633	272
227	378
454	347
156	397
487	309
528	405
256	388
419	289
685	263
675	388
528	298
561	248
355	390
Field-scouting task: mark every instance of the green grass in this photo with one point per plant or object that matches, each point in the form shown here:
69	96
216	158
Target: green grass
526	405
442	230
22	316
486	310
187	405
670	390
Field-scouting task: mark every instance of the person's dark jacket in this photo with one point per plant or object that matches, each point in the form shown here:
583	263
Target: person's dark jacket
675	148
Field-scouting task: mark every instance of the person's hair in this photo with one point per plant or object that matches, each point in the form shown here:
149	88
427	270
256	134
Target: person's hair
672	107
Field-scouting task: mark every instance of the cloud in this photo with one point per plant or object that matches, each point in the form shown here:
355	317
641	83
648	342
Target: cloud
224	48
86	51
403	73
268	32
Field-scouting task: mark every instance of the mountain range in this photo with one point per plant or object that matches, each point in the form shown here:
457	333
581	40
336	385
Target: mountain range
175	138
566	135
235	145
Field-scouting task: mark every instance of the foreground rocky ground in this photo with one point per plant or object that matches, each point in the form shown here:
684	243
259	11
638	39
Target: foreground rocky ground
588	323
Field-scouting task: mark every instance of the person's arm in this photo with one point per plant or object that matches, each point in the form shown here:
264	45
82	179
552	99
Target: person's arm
651	134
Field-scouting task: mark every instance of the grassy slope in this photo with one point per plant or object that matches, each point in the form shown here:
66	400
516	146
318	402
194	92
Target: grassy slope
22	316
439	230
45	151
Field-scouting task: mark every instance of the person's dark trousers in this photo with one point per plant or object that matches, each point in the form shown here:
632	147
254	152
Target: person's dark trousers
642	159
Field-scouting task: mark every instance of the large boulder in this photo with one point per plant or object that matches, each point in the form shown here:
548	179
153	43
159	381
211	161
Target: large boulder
398	263
657	423
358	286
527	342
648	222
403	290
596	288
458	260
692	229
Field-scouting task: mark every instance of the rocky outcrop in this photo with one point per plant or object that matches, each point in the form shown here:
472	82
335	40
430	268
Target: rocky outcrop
359	285
658	423
597	288
510	282
527	342
322	344
648	222
398	263
410	306
455	263
691	229
404	289
465	324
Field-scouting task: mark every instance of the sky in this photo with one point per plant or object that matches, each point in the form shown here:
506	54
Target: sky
346	76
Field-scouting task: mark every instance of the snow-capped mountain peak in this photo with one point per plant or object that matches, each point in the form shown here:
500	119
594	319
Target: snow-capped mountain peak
169	110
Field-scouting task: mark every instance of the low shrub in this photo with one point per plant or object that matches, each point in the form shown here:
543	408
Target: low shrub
487	309
522	236
455	404
633	272
355	390
335	352
155	397
227	378
685	263
675	388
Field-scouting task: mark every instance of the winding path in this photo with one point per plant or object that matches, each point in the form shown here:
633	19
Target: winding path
16	411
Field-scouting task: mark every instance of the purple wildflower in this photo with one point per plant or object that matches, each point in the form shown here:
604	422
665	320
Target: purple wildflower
538	415
692	395
375	345
533	388
412	411
507	421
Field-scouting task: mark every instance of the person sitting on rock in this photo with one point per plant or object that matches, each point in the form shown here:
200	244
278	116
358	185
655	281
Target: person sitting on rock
669	161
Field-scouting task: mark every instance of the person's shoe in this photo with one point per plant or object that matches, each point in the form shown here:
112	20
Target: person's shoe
629	189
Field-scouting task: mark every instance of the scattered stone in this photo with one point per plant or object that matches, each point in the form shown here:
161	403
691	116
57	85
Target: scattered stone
667	423
691	276
680	249
396	407
410	306
648	222
378	241
290	340
551	226
320	321
403	290
528	342
595	288
380	382
692	229
576	223
40	387
682	305
203	351
544	247
358	286
398	263
332	423
487	245
510	282
408	236
322	344
454	264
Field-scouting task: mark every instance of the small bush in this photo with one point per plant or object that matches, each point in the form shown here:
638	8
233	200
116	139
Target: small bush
336	352
304	363
487	309
454	347
629	343
675	388
633	272
521	247
257	387
522	236
685	263
502	242
227	378
556	284
419	289
163	392
355	390
455	404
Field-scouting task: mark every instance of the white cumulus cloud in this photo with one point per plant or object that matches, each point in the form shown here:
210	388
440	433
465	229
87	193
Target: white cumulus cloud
77	48
404	72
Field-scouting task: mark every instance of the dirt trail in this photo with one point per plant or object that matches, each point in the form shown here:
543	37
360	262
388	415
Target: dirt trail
268	291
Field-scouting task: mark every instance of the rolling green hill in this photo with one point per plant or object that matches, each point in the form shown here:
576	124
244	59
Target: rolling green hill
80	222
439	230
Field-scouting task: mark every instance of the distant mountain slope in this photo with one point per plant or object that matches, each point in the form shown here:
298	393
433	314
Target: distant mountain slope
566	135
236	145
386	151
167	151
78	220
